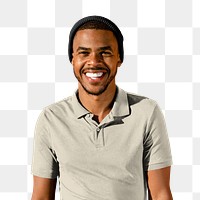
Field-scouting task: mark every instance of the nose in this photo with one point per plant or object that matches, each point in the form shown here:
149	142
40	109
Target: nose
94	59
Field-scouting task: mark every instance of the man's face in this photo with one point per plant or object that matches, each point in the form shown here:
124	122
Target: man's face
95	60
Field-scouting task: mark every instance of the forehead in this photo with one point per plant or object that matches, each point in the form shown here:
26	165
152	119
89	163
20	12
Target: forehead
94	37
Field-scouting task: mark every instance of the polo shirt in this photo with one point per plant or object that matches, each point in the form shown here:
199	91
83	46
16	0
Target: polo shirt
105	161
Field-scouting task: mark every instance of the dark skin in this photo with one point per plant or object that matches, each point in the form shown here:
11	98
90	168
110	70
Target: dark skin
44	188
96	53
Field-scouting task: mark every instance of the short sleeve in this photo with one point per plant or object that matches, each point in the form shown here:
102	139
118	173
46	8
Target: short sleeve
157	152
44	162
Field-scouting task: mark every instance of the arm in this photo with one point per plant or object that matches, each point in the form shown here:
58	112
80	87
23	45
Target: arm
158	184
43	188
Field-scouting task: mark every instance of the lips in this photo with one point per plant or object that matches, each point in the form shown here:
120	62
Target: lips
93	75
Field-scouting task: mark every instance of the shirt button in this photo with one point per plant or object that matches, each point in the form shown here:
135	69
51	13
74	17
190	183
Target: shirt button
98	129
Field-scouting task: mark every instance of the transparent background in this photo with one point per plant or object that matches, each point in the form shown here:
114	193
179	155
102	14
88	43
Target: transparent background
162	61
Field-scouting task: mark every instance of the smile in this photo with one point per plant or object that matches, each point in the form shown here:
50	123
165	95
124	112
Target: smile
94	75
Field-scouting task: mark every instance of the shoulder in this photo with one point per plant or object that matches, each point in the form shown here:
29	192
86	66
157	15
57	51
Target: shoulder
142	102
58	108
60	104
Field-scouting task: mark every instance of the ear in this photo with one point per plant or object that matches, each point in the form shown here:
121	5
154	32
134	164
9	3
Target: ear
119	61
72	62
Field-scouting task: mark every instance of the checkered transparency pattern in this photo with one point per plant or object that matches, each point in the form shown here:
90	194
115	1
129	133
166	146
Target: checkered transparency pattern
162	61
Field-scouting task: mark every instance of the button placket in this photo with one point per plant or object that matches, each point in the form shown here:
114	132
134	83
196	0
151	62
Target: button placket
98	135
99	140
97	130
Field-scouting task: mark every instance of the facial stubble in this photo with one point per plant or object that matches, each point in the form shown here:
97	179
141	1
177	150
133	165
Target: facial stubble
103	89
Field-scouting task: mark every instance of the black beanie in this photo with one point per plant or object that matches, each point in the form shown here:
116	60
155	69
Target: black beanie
113	27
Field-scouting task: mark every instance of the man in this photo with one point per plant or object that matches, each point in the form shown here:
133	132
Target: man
102	143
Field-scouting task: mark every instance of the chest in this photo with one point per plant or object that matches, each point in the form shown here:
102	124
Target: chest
115	146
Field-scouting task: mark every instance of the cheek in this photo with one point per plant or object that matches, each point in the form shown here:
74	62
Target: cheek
114	64
78	64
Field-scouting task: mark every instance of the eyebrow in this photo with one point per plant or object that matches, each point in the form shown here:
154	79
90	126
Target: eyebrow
82	48
101	48
105	48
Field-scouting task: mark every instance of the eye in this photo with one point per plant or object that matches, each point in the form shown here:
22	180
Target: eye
106	53
85	53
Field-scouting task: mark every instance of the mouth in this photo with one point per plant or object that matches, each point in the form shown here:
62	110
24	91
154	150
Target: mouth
95	75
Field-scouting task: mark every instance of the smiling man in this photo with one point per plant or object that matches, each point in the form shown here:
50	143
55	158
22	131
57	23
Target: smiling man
102	143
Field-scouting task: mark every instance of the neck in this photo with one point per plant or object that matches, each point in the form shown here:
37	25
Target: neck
99	105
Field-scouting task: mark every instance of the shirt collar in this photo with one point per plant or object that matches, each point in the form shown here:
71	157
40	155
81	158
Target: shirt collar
120	106
79	110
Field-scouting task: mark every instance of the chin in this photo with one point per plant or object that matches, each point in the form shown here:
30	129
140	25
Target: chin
96	92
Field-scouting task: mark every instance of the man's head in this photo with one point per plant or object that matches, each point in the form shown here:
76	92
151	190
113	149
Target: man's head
98	23
95	51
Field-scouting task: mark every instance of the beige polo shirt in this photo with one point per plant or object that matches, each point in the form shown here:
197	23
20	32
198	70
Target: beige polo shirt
103	161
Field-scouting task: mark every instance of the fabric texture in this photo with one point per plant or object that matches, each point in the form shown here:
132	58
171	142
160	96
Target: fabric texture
101	161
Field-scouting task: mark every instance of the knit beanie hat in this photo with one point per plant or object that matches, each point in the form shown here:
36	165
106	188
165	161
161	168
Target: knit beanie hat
113	27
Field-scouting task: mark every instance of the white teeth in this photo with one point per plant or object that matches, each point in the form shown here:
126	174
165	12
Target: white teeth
94	75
